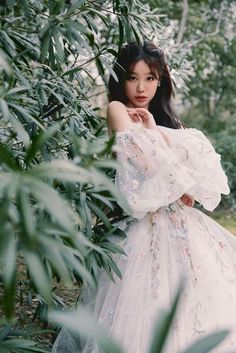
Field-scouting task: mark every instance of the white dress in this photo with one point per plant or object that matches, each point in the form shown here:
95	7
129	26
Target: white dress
168	241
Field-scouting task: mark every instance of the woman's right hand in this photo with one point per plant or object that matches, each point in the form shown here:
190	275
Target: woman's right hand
142	115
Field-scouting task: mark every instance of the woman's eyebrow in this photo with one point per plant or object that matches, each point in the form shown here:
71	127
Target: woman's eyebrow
148	73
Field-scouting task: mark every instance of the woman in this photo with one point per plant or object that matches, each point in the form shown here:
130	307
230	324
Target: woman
162	169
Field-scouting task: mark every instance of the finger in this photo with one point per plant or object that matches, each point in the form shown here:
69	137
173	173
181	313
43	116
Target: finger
142	110
137	117
134	116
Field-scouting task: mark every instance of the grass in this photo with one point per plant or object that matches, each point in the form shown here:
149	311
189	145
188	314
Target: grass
227	219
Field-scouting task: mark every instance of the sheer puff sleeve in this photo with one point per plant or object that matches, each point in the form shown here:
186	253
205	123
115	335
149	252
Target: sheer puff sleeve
157	166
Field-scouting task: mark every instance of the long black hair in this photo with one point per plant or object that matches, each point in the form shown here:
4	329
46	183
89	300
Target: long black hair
154	57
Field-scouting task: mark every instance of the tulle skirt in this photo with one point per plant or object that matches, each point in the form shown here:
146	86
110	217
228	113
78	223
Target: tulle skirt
177	243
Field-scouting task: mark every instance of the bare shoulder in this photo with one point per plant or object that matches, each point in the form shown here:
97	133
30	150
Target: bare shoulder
118	118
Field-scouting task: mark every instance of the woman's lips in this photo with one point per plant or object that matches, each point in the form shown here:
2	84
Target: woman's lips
141	98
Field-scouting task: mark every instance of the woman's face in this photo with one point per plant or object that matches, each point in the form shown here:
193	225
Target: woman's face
141	85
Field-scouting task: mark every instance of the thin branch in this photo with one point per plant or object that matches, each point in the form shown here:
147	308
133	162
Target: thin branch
183	22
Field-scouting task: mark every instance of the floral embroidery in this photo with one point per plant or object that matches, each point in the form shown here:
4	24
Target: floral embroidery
178	219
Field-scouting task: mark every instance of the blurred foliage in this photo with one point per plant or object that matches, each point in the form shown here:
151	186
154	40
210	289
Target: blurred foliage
81	323
57	207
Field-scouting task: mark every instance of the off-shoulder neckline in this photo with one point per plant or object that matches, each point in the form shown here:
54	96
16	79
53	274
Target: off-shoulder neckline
139	126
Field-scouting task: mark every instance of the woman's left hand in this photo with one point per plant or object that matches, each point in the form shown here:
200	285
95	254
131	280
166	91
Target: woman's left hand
188	200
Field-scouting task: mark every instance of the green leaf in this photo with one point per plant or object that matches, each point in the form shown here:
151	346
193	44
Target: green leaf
163	325
4	332
102	198
81	323
4	108
54	252
91	23
45	29
9	45
6	156
4	64
42	94
88	222
20	346
38	274
25	114
74	6
20	130
75	265
138	35
72	71
39	141
59	45
61	170
121	32
58	208
206	344
100	66
99	213
115	268
76	26
116	249
15	90
26	212
46	36
8	259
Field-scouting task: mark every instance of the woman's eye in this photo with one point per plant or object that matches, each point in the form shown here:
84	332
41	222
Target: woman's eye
150	78
131	78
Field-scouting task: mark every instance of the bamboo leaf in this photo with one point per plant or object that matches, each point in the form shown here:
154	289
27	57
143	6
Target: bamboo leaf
15	90
53	203
163	325
206	344
116	249
25	114
20	346
59	45
9	44
115	268
38	274
4	64
45	41
4	332
104	200
53	250
6	156
4	108
121	32
81	323
8	259
20	130
99	213
26	212
39	141
62	170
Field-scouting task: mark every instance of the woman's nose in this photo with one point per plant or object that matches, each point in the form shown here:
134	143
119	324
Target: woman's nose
140	87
